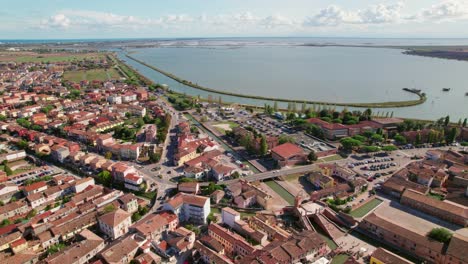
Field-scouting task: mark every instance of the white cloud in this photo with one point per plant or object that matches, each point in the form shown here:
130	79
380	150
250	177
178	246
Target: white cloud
377	14
389	13
448	10
274	21
57	21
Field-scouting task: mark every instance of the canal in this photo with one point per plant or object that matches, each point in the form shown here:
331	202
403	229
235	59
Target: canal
288	197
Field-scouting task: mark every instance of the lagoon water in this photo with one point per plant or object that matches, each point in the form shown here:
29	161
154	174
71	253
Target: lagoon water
334	74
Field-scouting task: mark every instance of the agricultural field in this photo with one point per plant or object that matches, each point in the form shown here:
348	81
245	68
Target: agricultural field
47	57
90	75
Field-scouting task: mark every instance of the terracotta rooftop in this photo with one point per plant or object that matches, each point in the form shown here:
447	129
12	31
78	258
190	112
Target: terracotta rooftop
440	205
403	232
287	150
115	218
191	199
388	257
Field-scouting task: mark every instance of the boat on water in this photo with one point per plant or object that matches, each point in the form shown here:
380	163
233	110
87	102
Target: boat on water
466	94
445	89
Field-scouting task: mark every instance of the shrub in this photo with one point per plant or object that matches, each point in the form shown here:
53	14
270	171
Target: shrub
440	234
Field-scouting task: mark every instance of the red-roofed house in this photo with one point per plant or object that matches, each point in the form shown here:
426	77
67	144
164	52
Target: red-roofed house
288	154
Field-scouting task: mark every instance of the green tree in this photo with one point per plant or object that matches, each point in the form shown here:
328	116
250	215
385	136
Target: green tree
211	218
136	216
5	222
32	213
389	148
440	234
22	144
109	208
400	139
108	155
376	138
350	143
447	121
193	228
464	122
418	139
312	156
46	109
155	157
285	139
2	118
104	178
8	170
23	122
452	135
263	145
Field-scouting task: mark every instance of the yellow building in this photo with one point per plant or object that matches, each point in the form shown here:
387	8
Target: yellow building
382	256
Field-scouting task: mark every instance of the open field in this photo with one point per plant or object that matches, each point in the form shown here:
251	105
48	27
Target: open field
90	75
330	158
47	57
339	259
365	209
222	127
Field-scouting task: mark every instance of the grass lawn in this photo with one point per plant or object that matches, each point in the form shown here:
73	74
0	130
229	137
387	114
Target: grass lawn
215	210
90	75
292	177
331	244
435	196
339	259
219	126
365	209
280	191
32	57
147	195
331	158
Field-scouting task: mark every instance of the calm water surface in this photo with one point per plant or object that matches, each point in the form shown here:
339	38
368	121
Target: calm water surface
335	74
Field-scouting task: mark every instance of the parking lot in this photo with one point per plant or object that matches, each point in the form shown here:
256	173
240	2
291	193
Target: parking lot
272	127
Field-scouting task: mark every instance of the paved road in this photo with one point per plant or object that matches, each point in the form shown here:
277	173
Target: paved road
274	174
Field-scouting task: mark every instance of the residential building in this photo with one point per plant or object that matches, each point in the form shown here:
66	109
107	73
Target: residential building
115	224
129	203
189	187
82	184
154	225
121	251
189	207
233	244
79	253
304	247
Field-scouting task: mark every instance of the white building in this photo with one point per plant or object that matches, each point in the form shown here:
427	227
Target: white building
115	224
82	184
133	181
114	99
189	207
229	216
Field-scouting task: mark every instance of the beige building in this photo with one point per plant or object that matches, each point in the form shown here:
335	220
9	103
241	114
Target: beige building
115	224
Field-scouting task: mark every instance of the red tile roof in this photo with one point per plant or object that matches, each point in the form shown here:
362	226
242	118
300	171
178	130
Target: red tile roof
287	150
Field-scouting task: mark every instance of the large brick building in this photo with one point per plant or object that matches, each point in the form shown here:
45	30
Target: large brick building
447	211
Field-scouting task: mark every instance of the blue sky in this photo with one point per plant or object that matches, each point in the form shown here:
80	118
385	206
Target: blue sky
41	19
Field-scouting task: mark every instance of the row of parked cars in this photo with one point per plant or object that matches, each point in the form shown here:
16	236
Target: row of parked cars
370	161
377	167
